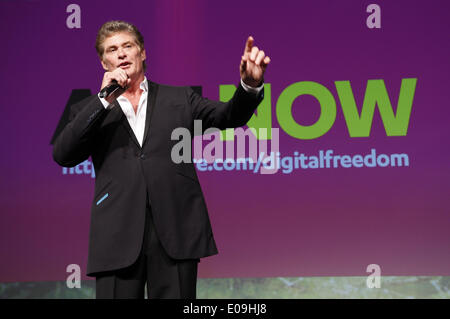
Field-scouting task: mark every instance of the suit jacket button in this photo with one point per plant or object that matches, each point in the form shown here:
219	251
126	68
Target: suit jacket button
142	156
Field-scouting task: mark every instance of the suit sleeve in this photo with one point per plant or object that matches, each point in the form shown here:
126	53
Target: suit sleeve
74	143
234	113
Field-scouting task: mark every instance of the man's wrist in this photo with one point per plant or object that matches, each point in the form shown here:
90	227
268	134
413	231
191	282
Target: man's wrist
251	89
105	103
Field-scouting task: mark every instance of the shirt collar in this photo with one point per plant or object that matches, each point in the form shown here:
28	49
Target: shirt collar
144	84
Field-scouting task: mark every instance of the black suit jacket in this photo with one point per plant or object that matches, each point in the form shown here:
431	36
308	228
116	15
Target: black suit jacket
127	173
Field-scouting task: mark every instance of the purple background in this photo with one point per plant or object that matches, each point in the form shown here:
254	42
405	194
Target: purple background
326	222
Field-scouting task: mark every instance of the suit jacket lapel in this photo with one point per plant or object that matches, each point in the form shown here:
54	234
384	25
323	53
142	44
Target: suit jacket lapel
151	99
125	123
151	104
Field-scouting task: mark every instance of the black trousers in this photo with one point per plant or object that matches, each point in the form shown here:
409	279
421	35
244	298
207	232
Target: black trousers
166	278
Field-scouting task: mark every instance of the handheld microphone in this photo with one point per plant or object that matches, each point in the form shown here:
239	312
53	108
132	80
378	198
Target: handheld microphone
112	88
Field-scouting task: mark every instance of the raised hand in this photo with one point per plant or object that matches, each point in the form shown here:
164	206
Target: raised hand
253	64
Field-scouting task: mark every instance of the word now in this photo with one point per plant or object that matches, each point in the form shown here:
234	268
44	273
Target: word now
358	124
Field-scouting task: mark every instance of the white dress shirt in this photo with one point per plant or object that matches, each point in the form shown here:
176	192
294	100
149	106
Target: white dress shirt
137	120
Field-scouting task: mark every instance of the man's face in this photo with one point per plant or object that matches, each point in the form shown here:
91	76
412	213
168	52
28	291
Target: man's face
121	50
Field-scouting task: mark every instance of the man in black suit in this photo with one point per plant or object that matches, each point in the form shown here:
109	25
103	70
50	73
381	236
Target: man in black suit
149	221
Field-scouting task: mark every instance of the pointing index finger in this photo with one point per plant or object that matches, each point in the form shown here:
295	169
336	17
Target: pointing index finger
248	45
